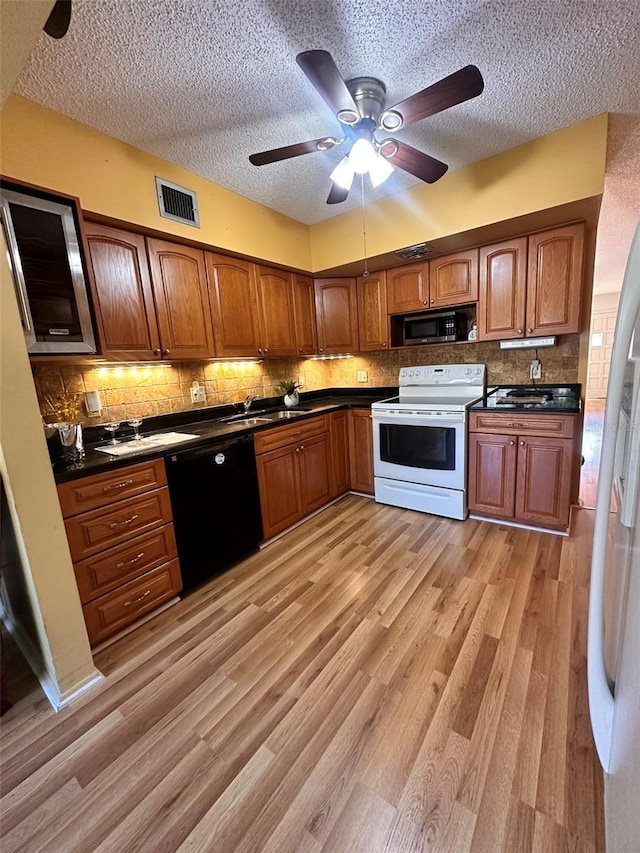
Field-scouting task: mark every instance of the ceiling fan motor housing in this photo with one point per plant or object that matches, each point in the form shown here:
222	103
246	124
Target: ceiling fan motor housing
369	94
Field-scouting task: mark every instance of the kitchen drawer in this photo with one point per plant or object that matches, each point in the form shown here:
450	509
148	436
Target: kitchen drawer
281	436
101	489
519	423
110	569
99	529
116	610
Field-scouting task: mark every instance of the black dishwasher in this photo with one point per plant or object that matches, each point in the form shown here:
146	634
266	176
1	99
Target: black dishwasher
216	506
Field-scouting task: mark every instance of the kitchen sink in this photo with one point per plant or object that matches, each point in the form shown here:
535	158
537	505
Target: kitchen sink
285	416
250	421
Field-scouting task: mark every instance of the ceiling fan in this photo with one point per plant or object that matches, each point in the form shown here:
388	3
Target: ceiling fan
57	24
359	105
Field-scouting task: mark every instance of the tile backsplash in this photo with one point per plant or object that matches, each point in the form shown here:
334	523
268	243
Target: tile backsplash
129	391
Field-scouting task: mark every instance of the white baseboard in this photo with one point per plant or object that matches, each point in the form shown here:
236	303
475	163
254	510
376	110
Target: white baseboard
57	700
518	524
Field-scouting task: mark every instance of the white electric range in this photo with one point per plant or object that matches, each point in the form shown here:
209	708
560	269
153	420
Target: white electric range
420	438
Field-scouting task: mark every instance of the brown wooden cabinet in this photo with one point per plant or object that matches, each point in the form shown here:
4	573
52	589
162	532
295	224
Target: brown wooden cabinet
181	296
503	285
373	320
125	310
304	310
408	288
522	469
340	474
532	286
361	451
120	530
294	472
275	312
453	279
336	315
232	290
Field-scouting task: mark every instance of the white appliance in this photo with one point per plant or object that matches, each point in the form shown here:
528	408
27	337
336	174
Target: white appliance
613	654
420	438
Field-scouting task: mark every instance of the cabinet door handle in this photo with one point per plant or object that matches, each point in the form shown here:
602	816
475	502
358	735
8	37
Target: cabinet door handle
117	485
166	351
157	352
384	343
300	449
115	524
259	349
432	301
299	349
138	599
425	301
321	349
265	350
130	562
529	331
512	442
519	331
522	444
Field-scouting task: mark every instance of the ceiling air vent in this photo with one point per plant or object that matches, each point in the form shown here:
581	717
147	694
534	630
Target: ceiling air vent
177	203
415	252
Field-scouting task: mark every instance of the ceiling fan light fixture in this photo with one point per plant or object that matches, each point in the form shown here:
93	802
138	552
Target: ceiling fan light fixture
379	170
343	174
362	156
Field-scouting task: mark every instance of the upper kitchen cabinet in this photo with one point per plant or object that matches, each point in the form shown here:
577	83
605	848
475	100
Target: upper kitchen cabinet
125	310
554	280
305	315
276	315
408	288
532	286
179	282
453	279
502	298
373	322
232	289
337	315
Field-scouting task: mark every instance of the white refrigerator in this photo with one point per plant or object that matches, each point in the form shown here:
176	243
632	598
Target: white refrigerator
613	655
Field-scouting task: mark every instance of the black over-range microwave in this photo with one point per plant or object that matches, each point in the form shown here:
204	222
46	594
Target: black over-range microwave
434	328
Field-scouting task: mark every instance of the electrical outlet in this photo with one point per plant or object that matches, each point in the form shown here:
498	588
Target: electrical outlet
535	369
92	403
197	393
363	376
301	381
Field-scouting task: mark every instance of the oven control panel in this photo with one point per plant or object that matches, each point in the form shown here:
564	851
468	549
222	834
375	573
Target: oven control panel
443	374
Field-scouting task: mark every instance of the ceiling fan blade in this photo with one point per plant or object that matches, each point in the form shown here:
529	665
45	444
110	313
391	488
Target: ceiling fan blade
59	19
460	86
337	194
276	154
323	73
413	161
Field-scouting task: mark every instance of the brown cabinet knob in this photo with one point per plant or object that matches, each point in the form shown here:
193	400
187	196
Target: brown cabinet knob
522	444
321	349
512	442
425	302
166	351
265	350
432	301
519	331
299	349
529	331
157	352
384	343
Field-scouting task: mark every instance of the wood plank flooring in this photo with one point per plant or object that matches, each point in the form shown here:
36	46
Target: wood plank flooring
376	680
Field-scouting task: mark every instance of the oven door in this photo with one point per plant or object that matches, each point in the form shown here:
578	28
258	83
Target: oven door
420	447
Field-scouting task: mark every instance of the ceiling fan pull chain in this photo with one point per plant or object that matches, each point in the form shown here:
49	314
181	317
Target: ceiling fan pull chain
365	272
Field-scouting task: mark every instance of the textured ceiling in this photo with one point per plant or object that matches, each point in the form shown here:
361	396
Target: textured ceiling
206	84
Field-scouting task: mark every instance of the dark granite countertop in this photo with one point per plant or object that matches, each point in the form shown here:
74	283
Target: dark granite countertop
206	425
563	399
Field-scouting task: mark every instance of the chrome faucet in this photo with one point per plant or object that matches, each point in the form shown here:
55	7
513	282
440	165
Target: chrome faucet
249	400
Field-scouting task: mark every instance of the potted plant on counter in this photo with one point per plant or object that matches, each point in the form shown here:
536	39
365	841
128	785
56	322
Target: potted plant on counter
290	388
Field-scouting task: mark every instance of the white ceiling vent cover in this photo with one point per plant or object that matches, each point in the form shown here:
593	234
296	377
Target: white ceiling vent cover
177	203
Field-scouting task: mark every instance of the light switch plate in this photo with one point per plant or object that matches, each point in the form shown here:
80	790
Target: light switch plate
197	394
363	376
92	403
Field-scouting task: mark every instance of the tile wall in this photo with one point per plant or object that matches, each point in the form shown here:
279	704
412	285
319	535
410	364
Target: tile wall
141	391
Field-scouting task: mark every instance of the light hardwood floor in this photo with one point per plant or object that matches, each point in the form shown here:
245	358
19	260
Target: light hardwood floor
376	680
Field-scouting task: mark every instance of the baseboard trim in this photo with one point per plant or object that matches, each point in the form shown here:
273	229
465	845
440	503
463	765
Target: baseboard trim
57	700
518	524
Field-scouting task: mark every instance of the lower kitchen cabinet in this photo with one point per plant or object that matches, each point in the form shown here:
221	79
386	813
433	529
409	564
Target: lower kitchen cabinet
525	473
340	474
120	530
361	451
295	476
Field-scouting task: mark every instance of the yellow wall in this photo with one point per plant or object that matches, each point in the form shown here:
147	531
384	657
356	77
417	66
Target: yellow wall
563	167
42	147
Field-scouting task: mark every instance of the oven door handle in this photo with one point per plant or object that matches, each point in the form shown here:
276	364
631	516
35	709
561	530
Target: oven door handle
447	419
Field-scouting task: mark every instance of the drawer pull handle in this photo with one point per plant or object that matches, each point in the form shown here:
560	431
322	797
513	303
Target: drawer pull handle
514	424
138	599
296	433
115	524
130	562
117	485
